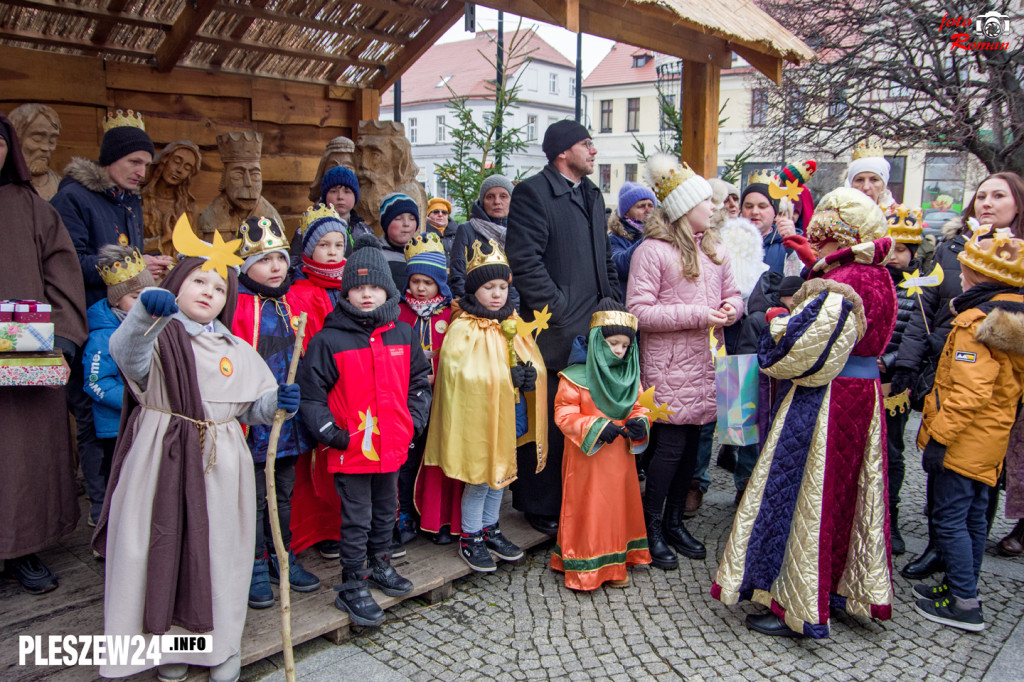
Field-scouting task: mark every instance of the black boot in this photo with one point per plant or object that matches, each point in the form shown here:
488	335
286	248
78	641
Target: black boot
727	458
384	577
770	624
923	566
661	555
678	537
895	537
355	598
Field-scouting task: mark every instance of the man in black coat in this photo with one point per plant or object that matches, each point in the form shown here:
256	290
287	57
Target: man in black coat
557	245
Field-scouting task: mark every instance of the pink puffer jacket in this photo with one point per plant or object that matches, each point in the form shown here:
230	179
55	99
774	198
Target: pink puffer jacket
675	353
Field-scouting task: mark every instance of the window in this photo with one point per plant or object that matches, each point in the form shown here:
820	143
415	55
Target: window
630	172
553	83
412	130
641	60
837	106
531	127
670	102
440	129
442	187
943	193
795	104
606	116
758	107
605	171
632	114
897	176
572	86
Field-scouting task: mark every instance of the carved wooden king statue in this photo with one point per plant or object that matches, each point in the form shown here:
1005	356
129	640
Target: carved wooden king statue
241	187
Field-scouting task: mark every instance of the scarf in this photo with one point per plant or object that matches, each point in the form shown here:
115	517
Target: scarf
378	317
486	226
322	274
634	229
474	307
613	382
980	296
263	290
118	313
426	309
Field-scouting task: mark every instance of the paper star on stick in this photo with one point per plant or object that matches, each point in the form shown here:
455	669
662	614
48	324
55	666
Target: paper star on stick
716	350
540	320
654	412
792	190
913	281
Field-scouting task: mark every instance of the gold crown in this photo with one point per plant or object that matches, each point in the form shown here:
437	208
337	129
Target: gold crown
122	120
863	151
763	177
996	254
240	146
314	214
905	224
123	270
265	236
665	173
423	243
613	318
480	259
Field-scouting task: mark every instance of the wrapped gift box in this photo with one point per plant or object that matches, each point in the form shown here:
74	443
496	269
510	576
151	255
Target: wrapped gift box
26	337
7	311
32	312
30	375
53	359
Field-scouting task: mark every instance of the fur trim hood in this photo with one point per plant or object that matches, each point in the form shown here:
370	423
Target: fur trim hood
89	174
1003	330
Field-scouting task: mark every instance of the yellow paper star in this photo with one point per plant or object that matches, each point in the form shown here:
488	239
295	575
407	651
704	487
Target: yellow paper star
716	350
912	280
540	320
219	255
792	190
654	412
524	328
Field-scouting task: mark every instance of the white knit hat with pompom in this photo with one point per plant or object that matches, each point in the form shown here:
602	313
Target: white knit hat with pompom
677	187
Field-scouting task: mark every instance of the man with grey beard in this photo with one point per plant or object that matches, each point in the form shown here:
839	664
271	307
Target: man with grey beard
38	129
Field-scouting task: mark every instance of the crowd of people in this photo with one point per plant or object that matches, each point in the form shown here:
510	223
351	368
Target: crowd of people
545	345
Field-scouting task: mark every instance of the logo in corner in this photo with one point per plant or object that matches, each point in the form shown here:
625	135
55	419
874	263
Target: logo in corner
964	356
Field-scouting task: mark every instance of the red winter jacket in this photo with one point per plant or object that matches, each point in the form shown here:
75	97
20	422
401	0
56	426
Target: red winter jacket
371	382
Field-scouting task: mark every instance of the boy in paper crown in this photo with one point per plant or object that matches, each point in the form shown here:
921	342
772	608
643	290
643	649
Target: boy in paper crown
601	530
488	401
264	319
427	307
366	391
123	270
178	521
967	419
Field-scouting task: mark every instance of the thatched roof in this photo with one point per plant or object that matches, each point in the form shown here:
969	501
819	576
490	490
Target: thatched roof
362	43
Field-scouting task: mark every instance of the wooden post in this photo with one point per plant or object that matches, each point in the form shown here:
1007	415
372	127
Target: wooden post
275	523
699	109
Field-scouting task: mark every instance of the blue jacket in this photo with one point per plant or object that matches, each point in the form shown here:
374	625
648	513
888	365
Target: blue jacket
96	212
775	251
622	251
103	381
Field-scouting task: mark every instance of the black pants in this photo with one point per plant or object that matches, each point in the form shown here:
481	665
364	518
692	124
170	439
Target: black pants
108	445
895	425
407	475
534	493
369	503
284	481
90	450
671	466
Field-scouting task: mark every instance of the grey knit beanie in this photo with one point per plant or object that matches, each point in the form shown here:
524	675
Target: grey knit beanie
492	181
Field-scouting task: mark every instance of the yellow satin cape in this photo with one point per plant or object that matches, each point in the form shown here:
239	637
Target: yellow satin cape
472	433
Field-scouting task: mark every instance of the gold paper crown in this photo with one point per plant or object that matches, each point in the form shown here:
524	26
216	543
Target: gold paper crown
665	173
219	255
122	120
613	318
262	238
863	151
423	243
998	255
763	177
905	224
314	214
480	259
123	270
240	146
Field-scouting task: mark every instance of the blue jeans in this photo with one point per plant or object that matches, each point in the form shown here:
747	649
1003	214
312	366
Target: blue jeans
480	507
746	460
707	435
958	515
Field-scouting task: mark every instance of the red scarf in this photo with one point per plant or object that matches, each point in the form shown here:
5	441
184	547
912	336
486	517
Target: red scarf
323	275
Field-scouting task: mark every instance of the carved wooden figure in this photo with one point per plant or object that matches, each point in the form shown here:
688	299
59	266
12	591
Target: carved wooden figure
166	194
38	129
385	166
241	187
341	151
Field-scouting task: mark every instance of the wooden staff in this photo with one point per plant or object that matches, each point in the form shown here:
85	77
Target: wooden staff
275	523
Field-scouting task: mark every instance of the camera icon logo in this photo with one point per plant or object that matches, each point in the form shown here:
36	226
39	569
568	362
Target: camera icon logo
992	24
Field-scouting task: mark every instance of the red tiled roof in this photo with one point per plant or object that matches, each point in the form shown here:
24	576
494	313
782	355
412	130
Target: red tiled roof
617	68
467	70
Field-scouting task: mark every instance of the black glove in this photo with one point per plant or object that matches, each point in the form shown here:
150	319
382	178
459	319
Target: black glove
518	375
67	348
902	379
158	302
636	429
610	432
340	440
933	457
529	379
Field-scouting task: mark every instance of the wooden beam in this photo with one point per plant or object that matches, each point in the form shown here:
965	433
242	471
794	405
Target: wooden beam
237	33
423	41
367	106
564	13
104	28
530	9
399	8
101	15
86	46
269	48
766	64
182	34
308	22
699	111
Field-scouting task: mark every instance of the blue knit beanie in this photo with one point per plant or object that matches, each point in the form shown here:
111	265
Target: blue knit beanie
394	205
316	231
339	175
432	264
632	192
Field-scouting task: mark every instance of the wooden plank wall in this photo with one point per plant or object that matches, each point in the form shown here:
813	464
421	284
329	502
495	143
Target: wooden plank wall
296	119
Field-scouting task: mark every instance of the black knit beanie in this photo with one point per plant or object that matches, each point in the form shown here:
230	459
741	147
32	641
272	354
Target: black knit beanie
121	141
760	188
366	265
561	135
477	277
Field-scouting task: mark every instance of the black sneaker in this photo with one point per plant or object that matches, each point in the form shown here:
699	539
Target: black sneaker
32	573
384	576
933	592
944	611
473	550
329	549
502	547
397	549
354	598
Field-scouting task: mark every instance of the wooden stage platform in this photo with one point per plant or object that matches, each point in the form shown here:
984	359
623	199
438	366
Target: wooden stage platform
76	606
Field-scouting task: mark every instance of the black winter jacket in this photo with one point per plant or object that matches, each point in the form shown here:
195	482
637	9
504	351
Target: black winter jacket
557	245
464	238
764	297
907	308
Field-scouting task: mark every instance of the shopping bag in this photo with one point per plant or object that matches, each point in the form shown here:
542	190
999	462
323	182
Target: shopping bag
736	389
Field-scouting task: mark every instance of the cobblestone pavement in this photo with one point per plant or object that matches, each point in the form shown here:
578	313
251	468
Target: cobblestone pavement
522	623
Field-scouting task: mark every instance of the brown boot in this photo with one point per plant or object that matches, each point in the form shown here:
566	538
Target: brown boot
1013	544
694	498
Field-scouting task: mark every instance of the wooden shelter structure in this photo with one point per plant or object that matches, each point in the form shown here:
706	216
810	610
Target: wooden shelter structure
305	71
